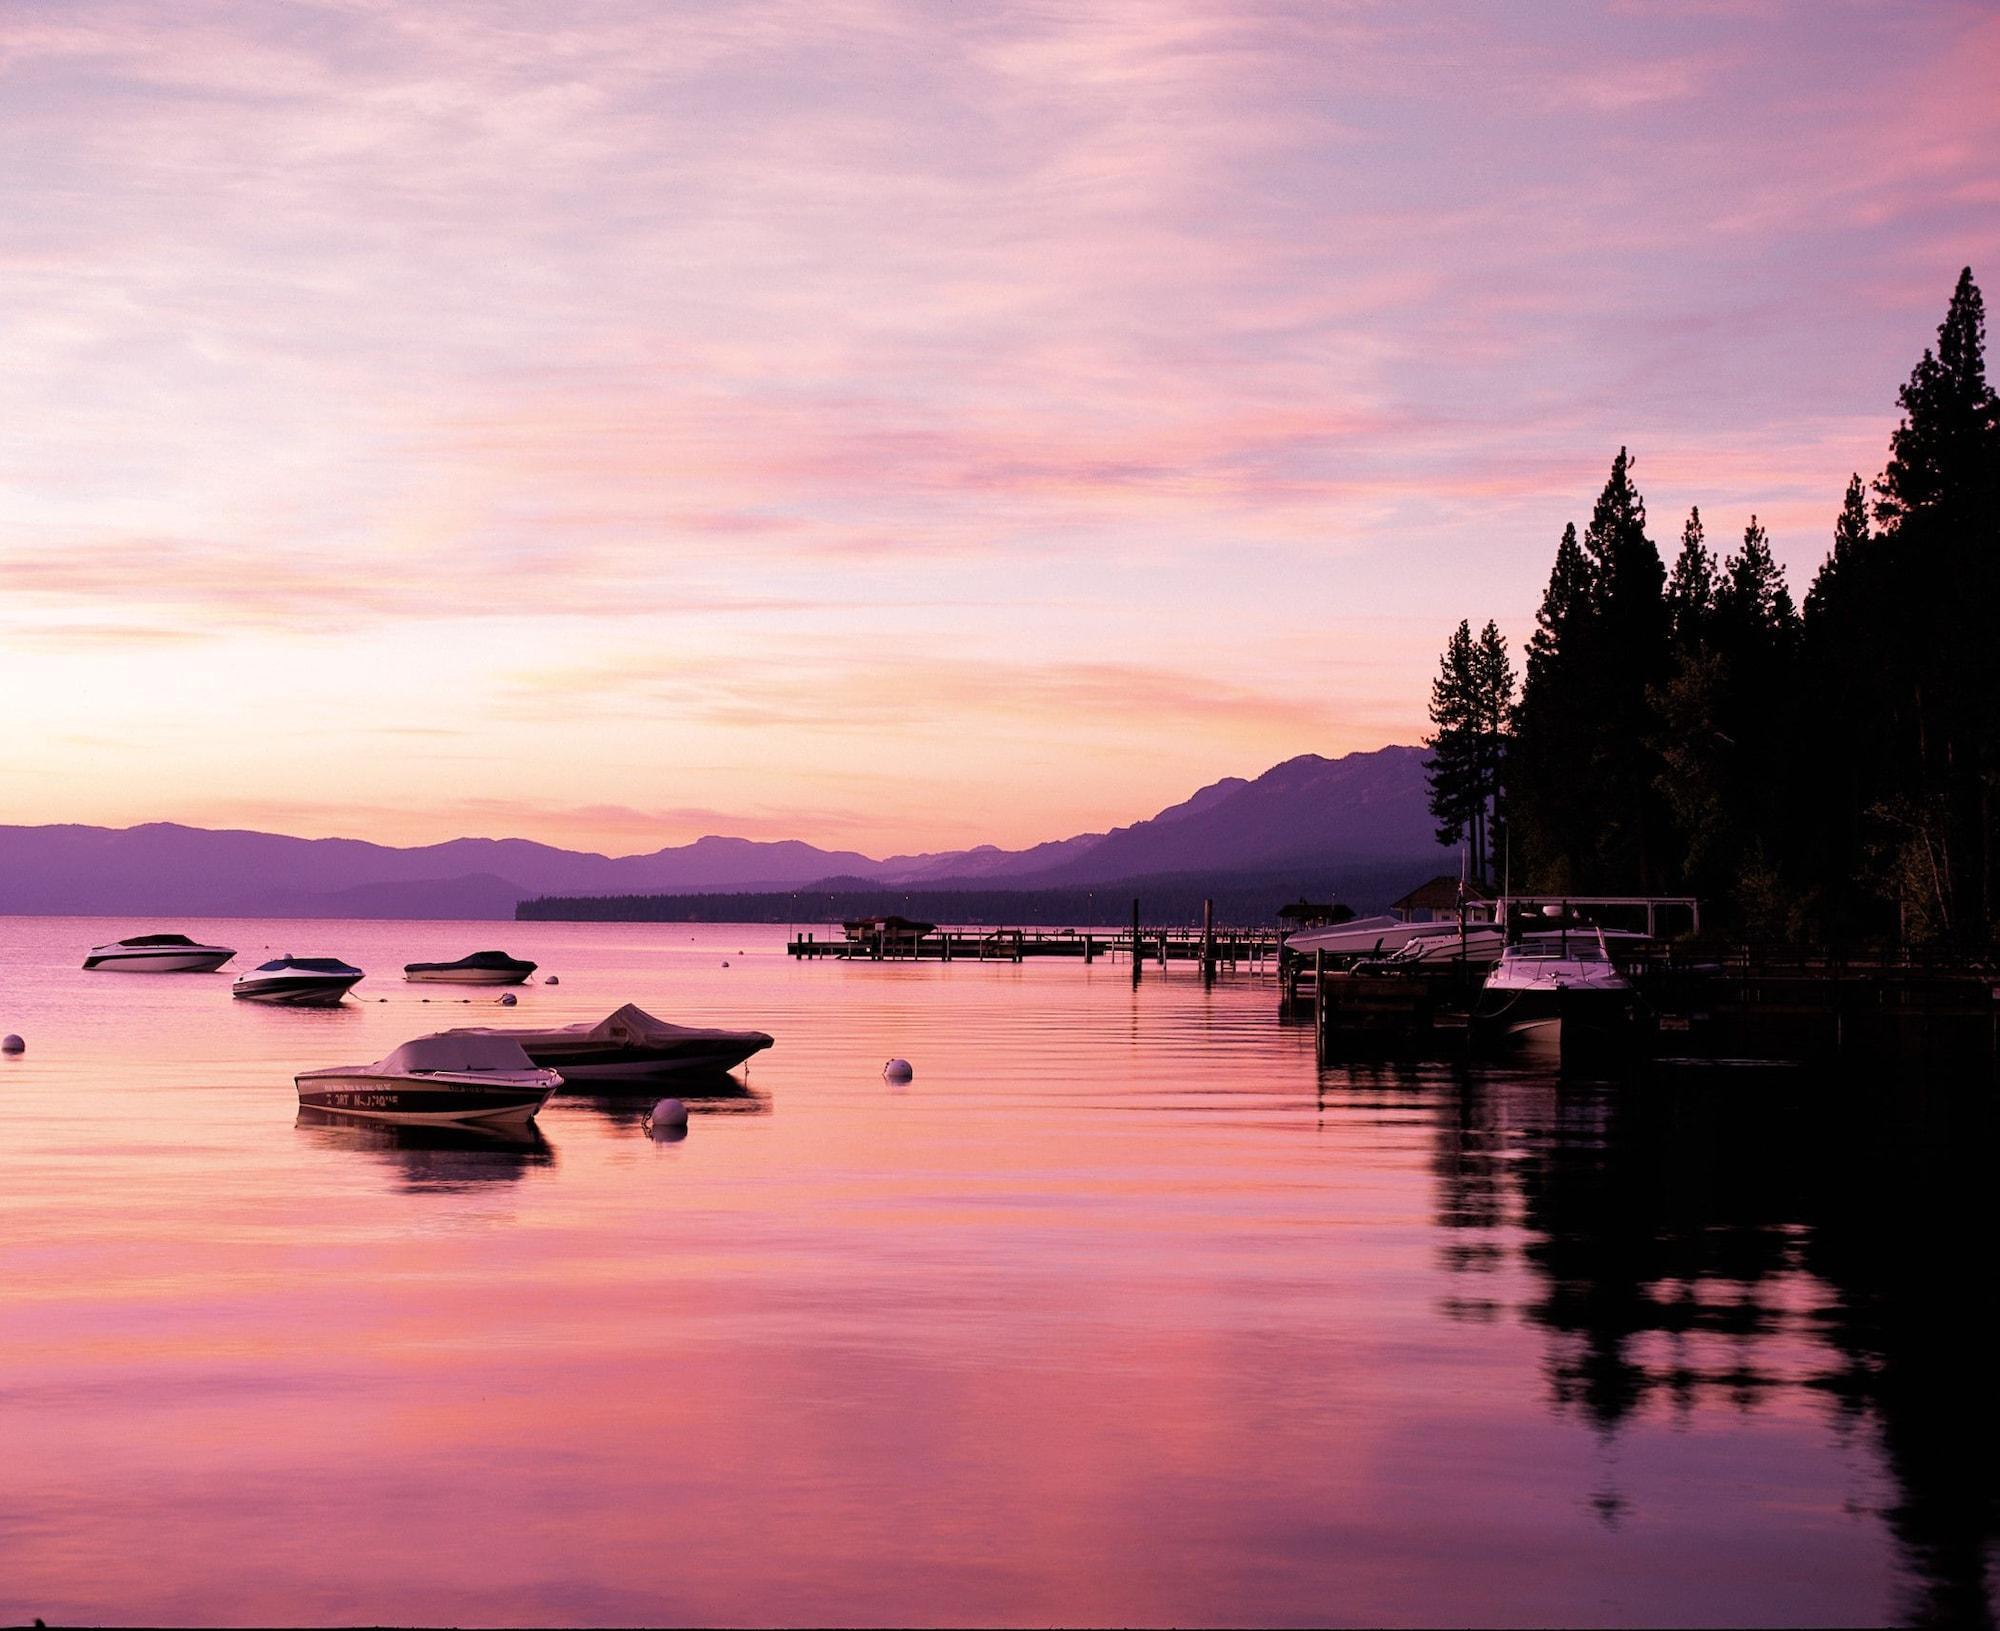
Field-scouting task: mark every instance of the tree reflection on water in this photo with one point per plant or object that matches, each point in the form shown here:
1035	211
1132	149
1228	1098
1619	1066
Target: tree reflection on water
1706	1243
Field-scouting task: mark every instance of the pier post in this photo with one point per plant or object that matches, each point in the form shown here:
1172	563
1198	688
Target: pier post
1089	951
1319	1004
1135	940
1208	939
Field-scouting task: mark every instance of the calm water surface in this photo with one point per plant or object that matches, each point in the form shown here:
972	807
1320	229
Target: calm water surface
1121	1312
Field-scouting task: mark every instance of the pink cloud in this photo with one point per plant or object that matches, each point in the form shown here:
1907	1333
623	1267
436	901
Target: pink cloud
1096	329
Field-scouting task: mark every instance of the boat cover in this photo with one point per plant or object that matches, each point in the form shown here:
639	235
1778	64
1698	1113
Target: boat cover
456	1051
633	1026
630	1027
310	965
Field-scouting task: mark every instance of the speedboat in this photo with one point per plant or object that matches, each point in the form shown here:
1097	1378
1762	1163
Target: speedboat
481	968
1558	992
1436	943
1385	936
297	982
632	1046
159	954
448	1076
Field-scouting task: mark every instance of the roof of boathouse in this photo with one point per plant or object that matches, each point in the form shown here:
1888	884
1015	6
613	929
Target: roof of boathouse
1439	894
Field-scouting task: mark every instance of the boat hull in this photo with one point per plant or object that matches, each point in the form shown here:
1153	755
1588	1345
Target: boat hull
468	976
603	1064
1570	1027
200	960
434	1101
296	990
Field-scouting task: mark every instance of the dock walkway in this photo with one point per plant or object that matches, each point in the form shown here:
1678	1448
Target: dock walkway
1224	948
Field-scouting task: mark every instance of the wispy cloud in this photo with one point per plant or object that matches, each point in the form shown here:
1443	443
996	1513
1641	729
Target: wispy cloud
903	372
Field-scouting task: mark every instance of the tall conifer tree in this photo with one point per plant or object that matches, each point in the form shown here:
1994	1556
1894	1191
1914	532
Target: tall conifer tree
1453	766
1691	588
1552	729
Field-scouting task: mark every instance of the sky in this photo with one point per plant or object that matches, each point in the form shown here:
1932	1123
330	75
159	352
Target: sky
897	425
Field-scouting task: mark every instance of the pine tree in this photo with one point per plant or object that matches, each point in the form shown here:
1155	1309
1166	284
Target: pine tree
1938	502
1942	456
1493	677
1453	767
1552	729
1753	596
1626	659
1691	588
1851	538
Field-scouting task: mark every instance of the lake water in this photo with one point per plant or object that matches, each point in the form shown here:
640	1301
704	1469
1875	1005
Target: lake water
1122	1311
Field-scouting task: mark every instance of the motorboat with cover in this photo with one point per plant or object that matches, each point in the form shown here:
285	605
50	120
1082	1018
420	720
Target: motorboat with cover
159	954
630	1045
448	1076
297	982
1558	993
481	968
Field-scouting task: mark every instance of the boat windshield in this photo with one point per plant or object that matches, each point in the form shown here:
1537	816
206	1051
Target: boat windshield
1571	948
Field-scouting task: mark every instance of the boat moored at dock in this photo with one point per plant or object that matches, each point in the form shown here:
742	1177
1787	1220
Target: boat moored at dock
450	1076
297	982
158	954
1558	994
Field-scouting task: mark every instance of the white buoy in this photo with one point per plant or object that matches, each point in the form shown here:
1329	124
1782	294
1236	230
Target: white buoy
725	962
10	1043
897	1070
552	980
668	1113
508	999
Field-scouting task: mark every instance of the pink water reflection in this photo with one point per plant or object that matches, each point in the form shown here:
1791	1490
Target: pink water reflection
1120	1313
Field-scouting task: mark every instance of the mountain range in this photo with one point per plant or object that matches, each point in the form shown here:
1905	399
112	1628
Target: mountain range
1309	812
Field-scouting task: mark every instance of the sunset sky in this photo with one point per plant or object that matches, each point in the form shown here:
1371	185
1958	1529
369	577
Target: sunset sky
897	425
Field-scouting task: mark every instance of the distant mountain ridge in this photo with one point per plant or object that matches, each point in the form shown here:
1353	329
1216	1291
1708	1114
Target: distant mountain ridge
1307	811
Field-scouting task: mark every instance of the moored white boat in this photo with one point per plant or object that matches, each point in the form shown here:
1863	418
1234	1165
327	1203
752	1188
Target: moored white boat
159	954
1383	937
1435	943
446	1077
1556	993
297	982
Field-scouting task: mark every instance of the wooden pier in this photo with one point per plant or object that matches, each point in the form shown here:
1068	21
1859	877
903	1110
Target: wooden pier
1256	949
1885	1011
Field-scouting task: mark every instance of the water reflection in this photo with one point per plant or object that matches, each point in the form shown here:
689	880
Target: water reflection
1713	1245
709	1093
435	1159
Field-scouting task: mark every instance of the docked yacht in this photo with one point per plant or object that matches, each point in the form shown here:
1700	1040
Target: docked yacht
1557	993
297	982
632	1046
159	954
449	1076
481	968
